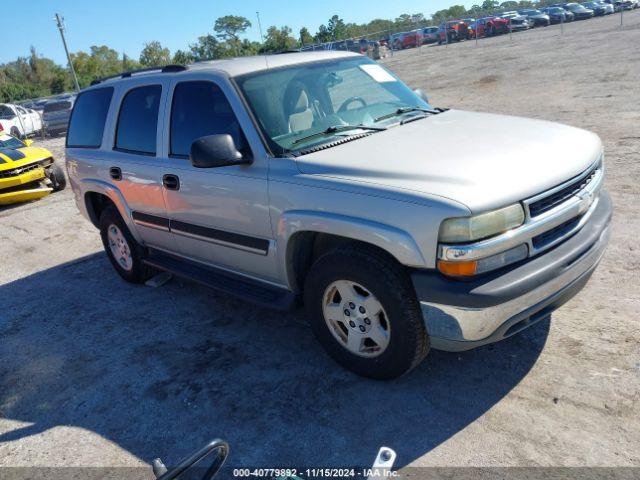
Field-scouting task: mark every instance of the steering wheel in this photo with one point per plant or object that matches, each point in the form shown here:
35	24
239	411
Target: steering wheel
349	101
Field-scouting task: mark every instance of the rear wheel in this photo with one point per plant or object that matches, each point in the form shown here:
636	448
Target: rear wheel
15	132
364	312
125	254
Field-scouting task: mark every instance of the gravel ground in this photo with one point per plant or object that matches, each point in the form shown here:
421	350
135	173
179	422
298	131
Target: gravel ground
96	372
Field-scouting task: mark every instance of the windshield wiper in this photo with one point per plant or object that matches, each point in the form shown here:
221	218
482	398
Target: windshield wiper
403	110
337	129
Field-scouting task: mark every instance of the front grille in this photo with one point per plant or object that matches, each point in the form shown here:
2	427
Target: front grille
562	195
19	171
550	236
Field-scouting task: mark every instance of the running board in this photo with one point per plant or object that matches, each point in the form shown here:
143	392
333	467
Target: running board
247	289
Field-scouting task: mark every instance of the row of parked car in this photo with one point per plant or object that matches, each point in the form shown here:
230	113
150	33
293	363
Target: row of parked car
505	22
31	117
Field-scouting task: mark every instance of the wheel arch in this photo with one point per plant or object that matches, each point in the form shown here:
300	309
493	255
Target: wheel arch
98	195
306	235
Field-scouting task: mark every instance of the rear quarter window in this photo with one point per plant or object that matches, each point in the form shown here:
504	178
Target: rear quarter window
88	117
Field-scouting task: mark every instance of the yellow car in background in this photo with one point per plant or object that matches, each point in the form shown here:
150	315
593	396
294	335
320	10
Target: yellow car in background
27	173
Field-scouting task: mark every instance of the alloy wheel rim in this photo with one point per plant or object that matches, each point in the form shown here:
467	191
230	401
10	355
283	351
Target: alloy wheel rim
119	247
356	318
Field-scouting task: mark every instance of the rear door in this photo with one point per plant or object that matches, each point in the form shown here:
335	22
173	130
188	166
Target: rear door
133	164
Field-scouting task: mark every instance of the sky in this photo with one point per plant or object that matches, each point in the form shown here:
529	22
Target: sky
125	25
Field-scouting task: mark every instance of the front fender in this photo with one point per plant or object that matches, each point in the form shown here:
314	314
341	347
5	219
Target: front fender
393	240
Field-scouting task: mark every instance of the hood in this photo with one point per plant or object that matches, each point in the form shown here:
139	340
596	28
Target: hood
481	160
17	157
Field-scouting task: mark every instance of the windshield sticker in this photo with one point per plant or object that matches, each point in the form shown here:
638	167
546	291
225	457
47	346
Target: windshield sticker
378	73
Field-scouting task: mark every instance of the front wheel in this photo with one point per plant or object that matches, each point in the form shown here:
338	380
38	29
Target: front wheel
56	176
364	312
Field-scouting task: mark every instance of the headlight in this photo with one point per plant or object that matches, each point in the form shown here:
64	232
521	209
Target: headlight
483	265
469	229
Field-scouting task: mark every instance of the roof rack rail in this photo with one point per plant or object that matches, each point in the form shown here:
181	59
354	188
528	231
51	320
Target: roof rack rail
165	69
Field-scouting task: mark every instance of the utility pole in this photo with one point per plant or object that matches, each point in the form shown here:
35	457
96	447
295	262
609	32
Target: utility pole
260	27
60	24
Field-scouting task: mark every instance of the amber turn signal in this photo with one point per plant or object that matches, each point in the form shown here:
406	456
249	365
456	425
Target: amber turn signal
458	269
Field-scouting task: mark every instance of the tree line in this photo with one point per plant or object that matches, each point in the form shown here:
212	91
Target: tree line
35	76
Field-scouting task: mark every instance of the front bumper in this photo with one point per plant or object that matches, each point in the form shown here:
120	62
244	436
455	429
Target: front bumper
27	195
461	315
24	188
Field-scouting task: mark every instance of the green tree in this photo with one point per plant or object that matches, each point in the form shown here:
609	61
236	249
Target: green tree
154	55
336	28
323	34
228	29
101	61
510	5
489	5
305	36
403	21
207	47
278	40
182	57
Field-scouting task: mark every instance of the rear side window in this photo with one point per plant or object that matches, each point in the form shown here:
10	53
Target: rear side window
6	113
138	120
56	106
86	125
200	109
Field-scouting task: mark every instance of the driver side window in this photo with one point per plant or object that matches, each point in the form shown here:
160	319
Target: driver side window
199	109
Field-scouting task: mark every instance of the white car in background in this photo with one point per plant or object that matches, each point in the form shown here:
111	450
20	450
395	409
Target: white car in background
18	121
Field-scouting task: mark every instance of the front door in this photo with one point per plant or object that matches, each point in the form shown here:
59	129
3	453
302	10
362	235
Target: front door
219	216
26	122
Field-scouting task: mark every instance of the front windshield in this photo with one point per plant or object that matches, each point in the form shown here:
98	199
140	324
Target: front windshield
297	102
7	141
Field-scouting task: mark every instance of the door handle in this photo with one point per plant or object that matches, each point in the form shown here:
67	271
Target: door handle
171	182
115	173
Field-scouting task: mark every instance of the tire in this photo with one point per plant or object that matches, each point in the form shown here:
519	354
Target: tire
132	269
57	178
366	275
15	132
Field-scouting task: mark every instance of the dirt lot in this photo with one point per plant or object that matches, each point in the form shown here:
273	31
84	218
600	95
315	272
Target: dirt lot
95	372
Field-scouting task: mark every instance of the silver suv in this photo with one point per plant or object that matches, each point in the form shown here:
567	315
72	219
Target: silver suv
321	179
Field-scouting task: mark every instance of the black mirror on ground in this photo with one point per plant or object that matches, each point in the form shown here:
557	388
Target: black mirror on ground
216	151
421	94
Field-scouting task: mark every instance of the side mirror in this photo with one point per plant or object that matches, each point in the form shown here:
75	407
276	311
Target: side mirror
216	151
421	94
28	143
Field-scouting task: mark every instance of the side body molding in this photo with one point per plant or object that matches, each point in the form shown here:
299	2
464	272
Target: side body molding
395	241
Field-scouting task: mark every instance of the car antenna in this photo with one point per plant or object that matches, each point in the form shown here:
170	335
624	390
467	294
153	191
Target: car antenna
266	60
